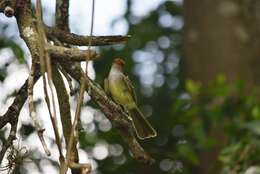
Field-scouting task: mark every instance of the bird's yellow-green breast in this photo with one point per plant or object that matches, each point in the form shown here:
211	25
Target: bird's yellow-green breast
121	94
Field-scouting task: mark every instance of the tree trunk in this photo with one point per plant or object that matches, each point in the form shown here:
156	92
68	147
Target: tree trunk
221	36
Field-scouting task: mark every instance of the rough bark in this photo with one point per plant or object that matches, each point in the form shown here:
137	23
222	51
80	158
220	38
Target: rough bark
222	37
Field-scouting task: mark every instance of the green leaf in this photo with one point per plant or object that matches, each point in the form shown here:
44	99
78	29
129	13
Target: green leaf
221	79
192	87
187	151
253	126
256	112
227	154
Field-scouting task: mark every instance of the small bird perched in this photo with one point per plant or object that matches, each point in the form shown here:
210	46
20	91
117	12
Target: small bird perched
122	92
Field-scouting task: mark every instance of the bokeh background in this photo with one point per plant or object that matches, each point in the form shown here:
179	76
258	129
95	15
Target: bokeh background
195	68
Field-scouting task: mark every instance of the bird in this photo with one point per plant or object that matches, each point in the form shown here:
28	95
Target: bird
120	88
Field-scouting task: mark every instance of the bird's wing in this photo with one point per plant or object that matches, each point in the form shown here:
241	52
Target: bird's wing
130	87
106	87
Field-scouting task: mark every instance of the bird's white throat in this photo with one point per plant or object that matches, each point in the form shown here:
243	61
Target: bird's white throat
115	72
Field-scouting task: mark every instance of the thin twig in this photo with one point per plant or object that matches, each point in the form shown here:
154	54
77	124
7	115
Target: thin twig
62	23
10	139
81	94
74	125
36	121
46	65
91	33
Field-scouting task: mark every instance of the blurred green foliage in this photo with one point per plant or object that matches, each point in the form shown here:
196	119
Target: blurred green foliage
224	117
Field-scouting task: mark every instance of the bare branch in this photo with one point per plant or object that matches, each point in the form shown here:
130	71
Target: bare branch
73	54
35	119
62	14
81	97
12	114
62	22
46	65
75	39
10	139
36	122
64	105
74	125
27	29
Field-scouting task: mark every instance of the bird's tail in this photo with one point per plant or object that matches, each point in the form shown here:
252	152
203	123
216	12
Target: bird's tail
143	128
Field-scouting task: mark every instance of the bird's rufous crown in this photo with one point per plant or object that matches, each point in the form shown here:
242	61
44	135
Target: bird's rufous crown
119	61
